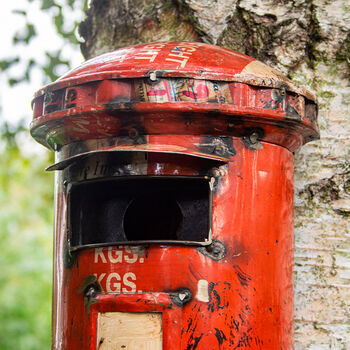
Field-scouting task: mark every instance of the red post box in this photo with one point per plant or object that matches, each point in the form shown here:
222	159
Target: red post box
174	199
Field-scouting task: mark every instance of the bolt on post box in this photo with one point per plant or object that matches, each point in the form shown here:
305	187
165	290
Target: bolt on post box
174	198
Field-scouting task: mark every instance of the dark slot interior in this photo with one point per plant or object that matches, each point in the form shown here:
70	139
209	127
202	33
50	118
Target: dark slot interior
139	209
156	216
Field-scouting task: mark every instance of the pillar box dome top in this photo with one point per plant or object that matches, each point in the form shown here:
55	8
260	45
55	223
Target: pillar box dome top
173	88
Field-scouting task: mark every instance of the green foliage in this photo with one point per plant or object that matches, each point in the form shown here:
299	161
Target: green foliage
60	21
65	28
29	34
26	216
46	4
52	64
7	63
8	134
26	196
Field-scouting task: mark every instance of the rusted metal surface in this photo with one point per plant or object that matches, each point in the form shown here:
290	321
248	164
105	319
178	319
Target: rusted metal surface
241	286
211	114
177	59
100	99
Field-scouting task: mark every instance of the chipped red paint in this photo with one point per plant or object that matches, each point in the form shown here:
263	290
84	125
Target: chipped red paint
181	109
209	95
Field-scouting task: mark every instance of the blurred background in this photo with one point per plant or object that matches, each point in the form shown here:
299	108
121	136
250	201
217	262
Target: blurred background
39	41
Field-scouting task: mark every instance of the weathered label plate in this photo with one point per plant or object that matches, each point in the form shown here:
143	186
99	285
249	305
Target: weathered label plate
129	331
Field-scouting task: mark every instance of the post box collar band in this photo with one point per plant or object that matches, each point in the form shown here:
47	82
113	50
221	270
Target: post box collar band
174	88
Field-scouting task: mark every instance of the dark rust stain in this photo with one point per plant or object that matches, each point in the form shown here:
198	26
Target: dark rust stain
252	136
277	100
311	110
243	278
245	340
222	146
215	301
218	299
191	328
69	257
220	336
101	342
291	113
90	287
194	342
189	324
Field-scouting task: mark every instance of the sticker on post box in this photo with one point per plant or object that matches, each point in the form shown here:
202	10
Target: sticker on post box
182	90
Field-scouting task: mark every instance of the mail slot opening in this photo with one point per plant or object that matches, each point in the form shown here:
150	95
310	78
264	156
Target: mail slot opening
156	216
137	210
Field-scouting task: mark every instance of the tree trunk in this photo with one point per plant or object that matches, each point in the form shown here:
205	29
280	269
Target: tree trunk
309	41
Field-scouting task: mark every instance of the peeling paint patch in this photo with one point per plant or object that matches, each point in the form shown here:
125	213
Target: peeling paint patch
203	291
194	345
243	278
220	336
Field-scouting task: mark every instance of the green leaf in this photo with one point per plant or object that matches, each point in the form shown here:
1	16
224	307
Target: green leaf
14	81
30	65
8	132
59	23
30	33
58	20
47	4
70	3
54	60
7	63
20	12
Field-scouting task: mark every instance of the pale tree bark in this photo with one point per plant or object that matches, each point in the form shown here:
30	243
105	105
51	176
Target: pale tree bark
309	41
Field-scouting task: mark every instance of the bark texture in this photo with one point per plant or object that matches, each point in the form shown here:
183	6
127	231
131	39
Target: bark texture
309	41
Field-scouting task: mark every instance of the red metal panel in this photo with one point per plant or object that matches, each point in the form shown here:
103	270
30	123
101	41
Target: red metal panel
249	292
149	107
187	88
171	58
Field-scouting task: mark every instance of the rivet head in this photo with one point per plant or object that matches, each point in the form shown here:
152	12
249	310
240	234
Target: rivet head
218	149
216	250
153	76
253	137
181	296
133	133
215	172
